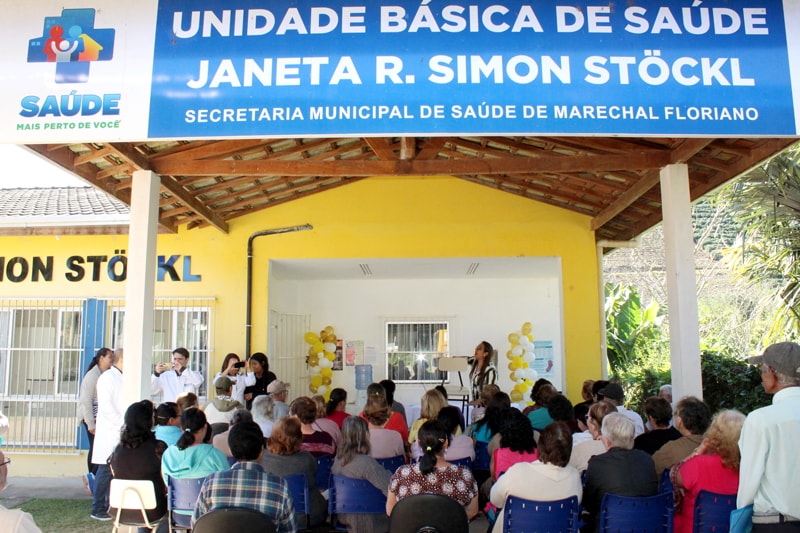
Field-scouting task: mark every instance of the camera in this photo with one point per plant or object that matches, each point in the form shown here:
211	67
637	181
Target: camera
240	364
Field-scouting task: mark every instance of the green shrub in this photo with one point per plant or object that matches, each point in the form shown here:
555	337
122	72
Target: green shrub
728	382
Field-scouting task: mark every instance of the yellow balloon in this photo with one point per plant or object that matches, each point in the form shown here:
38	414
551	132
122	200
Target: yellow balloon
311	337
513	338
527	327
514	377
327	395
313	359
509	355
530	337
326	372
316	381
328	330
318	347
516	363
331	338
511	366
516	396
312	388
520	387
326	381
311	351
330	356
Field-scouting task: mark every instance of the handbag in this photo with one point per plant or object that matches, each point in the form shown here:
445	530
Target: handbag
742	520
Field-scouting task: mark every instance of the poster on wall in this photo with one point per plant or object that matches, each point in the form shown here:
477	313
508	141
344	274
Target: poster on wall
338	362
353	351
544	364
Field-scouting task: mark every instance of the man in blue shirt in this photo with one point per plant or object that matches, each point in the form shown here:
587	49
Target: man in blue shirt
246	484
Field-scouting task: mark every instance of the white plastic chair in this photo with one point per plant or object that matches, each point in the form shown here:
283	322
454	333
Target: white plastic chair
133	494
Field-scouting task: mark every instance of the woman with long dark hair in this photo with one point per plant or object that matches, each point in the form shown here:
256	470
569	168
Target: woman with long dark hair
87	400
259	365
138	456
483	371
334	410
193	456
433	474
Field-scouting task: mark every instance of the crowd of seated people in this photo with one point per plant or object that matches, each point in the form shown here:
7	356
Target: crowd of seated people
586	451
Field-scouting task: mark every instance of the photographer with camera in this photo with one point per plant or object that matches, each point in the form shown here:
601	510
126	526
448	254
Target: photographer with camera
175	379
235	370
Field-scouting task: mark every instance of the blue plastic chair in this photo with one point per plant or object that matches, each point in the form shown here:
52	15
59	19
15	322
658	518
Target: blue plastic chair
646	514
482	458
298	487
181	499
464	461
353	496
323	477
529	516
665	483
712	512
392	463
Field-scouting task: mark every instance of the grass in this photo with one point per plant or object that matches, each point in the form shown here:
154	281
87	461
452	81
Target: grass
64	516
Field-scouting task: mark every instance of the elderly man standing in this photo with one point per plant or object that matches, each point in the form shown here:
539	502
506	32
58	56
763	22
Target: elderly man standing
770	440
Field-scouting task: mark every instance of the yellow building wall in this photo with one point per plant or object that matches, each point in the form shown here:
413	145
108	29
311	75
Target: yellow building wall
382	217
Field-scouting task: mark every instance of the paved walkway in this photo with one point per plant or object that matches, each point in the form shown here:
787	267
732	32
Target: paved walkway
22	489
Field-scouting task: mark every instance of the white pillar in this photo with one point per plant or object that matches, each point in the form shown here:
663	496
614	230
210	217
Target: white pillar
140	287
684	333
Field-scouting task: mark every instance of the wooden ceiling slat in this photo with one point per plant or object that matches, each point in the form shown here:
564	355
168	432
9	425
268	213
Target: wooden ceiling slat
217	149
382	146
640	160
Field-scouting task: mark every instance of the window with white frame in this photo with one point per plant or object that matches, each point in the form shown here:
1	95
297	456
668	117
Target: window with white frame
413	349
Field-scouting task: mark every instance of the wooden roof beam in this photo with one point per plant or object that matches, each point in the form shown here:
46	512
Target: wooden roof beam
646	159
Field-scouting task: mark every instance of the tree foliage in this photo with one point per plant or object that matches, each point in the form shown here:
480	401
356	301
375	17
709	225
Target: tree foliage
766	202
630	327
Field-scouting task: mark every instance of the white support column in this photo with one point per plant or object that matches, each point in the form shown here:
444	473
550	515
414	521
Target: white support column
681	283
140	288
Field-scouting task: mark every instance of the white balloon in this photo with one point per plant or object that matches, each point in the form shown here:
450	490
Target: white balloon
517	351
329	347
322	389
529	356
315	370
324	363
533	375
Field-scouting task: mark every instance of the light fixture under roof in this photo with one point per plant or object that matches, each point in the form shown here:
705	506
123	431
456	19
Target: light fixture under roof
472	269
365	269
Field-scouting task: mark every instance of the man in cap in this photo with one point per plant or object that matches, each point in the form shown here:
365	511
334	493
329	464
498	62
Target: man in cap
221	408
770	440
613	393
278	390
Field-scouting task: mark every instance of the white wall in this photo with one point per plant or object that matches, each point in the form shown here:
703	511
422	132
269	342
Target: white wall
478	309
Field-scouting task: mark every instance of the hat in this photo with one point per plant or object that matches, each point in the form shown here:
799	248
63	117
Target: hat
277	387
223	382
612	391
784	357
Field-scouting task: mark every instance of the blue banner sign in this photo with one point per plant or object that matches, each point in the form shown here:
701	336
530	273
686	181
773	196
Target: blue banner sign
300	67
106	70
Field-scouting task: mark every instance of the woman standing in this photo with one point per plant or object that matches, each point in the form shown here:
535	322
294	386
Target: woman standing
260	368
138	456
714	467
87	401
231	367
353	461
483	371
433	474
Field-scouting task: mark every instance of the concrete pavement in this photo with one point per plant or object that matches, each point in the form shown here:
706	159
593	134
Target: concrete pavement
22	489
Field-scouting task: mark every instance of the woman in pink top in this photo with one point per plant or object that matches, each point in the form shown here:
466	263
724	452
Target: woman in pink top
517	444
714	467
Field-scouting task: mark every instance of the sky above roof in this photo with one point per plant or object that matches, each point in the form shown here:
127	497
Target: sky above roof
19	167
